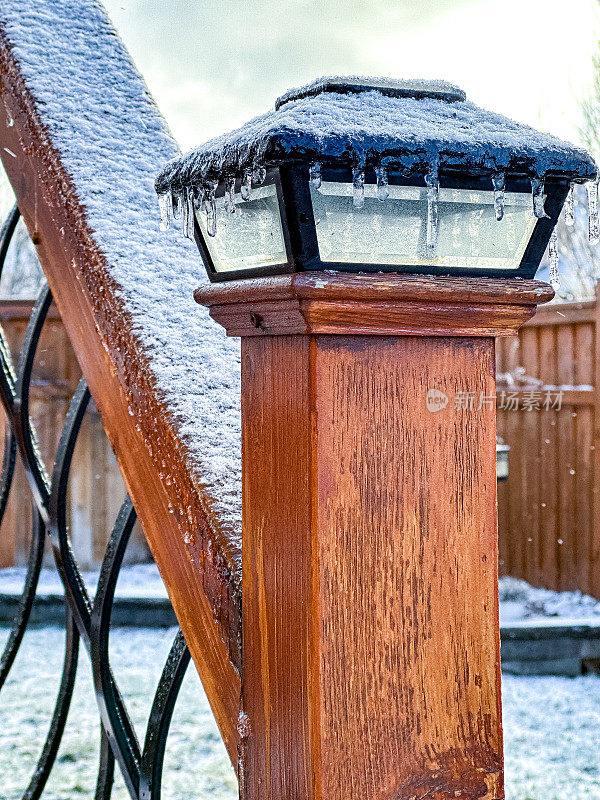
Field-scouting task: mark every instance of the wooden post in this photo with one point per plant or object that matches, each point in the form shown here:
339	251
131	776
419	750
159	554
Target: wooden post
594	557
371	652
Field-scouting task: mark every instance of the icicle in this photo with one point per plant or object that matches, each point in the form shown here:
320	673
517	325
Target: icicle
259	175
433	190
553	256
211	212
246	187
593	221
498	182
570	207
165	206
176	205
188	213
230	195
537	193
383	190
358	187
315	175
197	197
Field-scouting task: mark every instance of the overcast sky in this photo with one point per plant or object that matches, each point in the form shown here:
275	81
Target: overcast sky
212	64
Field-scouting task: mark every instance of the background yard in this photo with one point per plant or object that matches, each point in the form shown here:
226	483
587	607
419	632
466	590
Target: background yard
551	726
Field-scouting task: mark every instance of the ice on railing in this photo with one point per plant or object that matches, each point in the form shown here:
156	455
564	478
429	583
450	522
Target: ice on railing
113	141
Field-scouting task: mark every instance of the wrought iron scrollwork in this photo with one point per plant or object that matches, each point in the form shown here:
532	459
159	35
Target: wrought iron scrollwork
86	620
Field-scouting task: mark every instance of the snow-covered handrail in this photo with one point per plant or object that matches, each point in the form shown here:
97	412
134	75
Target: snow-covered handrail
81	141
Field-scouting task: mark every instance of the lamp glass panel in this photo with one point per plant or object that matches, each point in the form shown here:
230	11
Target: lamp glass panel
250	238
394	231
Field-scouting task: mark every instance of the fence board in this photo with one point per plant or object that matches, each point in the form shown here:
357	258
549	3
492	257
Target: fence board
549	509
96	488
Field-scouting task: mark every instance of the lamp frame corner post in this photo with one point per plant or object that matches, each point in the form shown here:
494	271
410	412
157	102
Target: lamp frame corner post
371	647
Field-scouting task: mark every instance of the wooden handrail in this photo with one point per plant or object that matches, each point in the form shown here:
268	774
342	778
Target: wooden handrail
81	142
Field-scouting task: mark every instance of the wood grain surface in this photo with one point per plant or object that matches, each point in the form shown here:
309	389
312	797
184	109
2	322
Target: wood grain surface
382	286
548	413
371	648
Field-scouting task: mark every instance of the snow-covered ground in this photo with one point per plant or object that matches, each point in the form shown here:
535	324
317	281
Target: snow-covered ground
552	738
552	726
196	763
137	580
521	604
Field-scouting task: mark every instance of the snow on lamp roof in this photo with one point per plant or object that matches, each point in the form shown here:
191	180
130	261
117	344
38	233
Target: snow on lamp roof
392	87
413	126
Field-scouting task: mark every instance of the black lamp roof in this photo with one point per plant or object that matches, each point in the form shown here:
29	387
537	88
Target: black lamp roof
414	126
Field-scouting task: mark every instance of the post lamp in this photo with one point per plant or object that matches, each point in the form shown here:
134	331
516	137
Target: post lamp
374	176
368	240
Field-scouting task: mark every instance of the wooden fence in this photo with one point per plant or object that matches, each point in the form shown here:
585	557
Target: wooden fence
96	488
548	404
549	509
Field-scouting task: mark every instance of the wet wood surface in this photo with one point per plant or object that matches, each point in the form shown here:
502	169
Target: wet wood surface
371	648
372	305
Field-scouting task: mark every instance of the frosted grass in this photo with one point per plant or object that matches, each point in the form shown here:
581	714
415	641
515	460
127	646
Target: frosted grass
552	740
196	763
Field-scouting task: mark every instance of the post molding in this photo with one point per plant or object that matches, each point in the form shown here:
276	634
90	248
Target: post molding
379	305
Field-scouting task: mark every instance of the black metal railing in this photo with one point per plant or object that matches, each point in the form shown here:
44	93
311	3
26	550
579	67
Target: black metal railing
86	621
